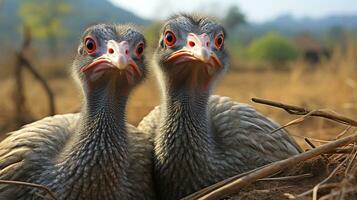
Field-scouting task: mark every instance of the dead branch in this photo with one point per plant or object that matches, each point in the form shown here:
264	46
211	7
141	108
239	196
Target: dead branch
343	132
313	146
286	178
295	110
309	143
33	185
234	185
44	84
293	122
20	106
21	63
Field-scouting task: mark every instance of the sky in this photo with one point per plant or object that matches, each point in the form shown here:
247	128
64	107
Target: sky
255	10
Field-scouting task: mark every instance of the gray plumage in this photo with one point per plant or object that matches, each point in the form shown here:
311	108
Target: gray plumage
199	138
93	154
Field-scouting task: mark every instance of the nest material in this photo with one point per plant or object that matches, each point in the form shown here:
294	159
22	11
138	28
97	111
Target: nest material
324	172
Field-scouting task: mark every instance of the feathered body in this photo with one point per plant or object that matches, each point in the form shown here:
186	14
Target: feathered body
199	138
93	154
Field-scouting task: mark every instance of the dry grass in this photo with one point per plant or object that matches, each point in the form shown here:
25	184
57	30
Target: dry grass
330	85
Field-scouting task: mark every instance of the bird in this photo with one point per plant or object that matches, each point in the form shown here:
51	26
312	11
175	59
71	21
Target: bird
93	154
199	138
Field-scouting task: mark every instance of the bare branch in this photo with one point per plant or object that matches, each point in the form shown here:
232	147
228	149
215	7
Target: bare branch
303	111
21	63
43	82
286	178
33	185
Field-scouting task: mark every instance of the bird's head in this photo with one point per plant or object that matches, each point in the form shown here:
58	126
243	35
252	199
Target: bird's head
191	51
110	55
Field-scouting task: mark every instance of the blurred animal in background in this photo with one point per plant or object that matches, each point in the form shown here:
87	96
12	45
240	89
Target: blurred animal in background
199	138
93	154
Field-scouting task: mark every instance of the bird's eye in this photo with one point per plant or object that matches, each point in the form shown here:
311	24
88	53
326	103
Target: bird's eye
139	50
170	38
90	45
219	40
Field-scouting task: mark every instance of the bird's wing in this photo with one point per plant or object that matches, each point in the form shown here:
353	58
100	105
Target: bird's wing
34	143
141	154
151	122
241	128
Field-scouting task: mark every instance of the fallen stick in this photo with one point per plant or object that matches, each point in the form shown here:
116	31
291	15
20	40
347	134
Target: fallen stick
234	185
303	111
21	183
286	178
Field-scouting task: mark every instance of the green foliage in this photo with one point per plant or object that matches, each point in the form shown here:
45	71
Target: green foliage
44	18
273	48
234	18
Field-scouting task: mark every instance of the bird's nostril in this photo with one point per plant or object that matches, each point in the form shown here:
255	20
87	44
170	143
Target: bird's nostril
191	44
111	51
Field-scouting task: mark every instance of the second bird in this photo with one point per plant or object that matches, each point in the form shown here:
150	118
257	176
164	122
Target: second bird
201	139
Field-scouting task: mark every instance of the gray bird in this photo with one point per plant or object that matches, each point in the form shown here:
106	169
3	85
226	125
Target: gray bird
199	138
93	154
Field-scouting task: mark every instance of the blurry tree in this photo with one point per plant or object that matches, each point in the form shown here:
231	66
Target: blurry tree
273	48
151	34
44	18
234	18
336	36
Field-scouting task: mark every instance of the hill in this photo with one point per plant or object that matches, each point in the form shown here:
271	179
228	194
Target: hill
291	25
83	13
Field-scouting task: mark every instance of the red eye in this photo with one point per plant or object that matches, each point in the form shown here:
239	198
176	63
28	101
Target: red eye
170	38
219	40
90	45
139	50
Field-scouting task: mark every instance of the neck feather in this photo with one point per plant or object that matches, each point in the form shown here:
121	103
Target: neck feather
185	120
97	151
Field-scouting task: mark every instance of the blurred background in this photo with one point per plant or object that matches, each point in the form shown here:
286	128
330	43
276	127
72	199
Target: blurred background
298	52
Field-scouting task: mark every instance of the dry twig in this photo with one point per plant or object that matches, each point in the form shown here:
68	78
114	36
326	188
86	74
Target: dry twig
20	183
309	143
21	63
303	111
343	132
286	178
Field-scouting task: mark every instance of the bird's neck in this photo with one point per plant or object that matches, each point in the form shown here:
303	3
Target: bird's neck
98	149
185	143
186	121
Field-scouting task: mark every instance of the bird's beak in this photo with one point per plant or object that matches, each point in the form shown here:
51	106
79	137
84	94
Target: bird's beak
197	48
117	56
